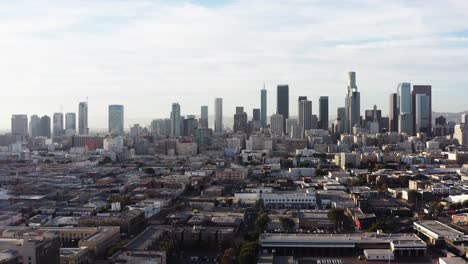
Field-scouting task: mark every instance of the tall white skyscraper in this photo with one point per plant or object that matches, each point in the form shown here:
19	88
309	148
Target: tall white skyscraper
116	119
57	124
83	128
218	123
352	105
176	121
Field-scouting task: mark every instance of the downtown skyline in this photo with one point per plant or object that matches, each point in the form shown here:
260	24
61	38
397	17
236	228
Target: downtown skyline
227	118
116	63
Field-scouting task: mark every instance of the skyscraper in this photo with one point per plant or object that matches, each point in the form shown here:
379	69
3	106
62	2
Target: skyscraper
277	124
45	127
204	116
422	121
352	105
256	114
323	112
422	108
116	119
19	125
240	120
83	118
176	122
282	102
299	99
70	123
58	124
263	106
190	124
341	113
393	113
34	126
404	98
291	122
305	114
218	124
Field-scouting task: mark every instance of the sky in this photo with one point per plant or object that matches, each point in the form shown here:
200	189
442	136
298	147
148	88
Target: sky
148	54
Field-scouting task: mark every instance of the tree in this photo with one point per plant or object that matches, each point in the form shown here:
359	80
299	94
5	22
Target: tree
387	227
106	160
229	256
287	224
248	253
251	236
337	216
149	171
167	246
437	209
360	181
229	201
262	221
455	206
413	196
259	204
465	204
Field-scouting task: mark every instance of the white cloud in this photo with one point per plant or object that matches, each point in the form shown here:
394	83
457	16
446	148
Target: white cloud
147	54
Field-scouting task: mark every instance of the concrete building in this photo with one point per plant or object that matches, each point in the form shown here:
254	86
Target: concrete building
116	120
401	245
461	134
435	231
231	174
89	142
291	122
306	200
32	248
277	124
218	122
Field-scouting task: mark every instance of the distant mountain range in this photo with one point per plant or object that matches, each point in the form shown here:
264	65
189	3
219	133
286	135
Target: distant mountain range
449	116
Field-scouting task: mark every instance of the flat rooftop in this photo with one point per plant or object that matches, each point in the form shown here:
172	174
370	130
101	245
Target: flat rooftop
437	228
141	241
338	240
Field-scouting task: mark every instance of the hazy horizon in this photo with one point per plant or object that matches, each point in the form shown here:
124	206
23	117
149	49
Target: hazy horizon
148	54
